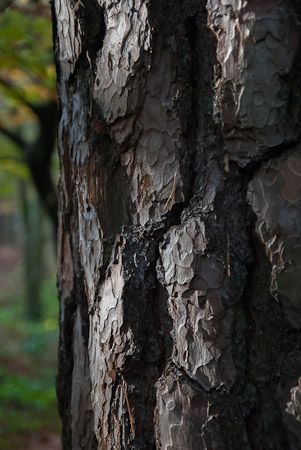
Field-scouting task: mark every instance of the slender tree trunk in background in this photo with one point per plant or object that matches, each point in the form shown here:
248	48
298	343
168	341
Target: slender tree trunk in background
38	154
32	212
180	215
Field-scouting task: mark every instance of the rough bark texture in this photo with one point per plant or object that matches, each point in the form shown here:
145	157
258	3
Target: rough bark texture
180	219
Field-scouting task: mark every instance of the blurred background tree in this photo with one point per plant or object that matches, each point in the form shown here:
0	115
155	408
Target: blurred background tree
28	126
28	222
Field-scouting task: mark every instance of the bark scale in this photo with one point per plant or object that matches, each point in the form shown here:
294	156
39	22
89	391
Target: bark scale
180	212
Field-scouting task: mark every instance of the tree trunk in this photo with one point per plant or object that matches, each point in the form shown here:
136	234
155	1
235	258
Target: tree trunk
33	258
179	224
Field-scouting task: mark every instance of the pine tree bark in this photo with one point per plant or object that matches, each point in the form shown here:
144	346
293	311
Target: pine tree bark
179	224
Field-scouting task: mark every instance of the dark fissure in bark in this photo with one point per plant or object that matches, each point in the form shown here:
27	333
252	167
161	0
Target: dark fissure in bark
55	40
65	351
260	331
276	152
64	376
68	308
264	336
146	316
91	18
193	78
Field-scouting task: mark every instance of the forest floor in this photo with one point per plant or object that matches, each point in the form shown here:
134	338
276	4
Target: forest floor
28	360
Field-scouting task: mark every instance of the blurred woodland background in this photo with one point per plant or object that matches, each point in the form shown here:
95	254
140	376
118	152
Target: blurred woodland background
28	202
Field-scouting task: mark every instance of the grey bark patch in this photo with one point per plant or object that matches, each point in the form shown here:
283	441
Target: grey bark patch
195	283
256	49
275	196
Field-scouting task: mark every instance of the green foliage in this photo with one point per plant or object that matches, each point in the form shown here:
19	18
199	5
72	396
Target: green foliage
27	365
26	405
28	351
26	53
22	391
27	76
12	166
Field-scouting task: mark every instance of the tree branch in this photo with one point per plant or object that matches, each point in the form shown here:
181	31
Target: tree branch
17	94
13	137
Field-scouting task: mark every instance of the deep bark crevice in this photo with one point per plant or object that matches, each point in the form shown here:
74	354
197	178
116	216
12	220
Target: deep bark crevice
91	17
256	333
276	152
65	369
264	338
141	369
55	40
191	27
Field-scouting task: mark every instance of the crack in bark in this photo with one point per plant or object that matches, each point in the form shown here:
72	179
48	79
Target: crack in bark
191	28
274	153
258	379
93	30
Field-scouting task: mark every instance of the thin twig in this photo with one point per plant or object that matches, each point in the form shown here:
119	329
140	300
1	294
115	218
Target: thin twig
228	256
226	161
76	5
87	292
129	409
171	198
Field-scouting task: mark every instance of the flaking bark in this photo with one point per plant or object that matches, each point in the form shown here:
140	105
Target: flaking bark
170	335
